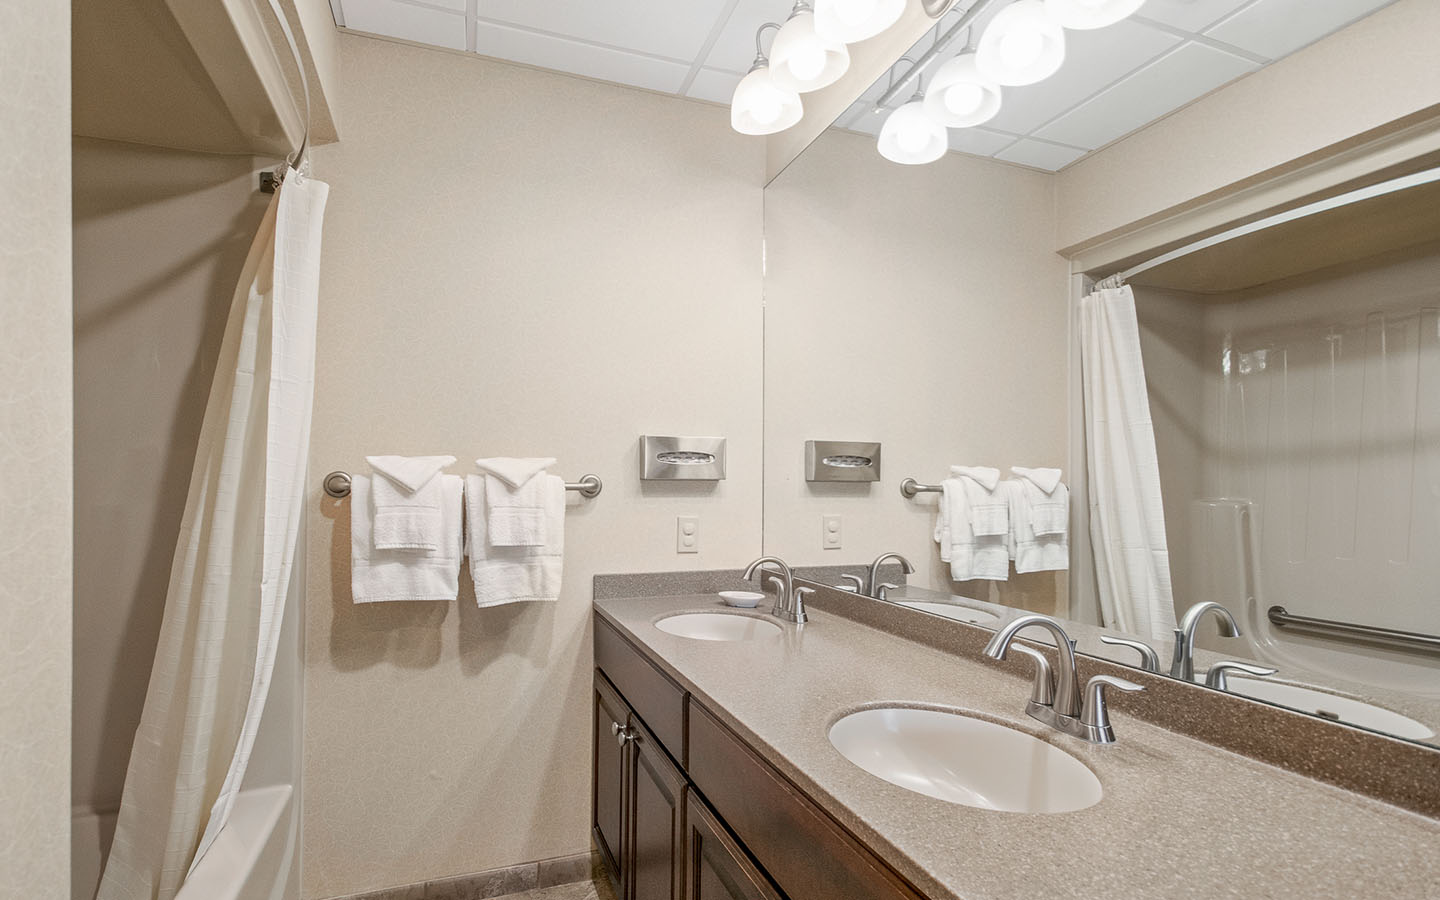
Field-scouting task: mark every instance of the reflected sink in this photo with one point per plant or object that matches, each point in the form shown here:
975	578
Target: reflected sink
718	627
953	611
1330	706
965	760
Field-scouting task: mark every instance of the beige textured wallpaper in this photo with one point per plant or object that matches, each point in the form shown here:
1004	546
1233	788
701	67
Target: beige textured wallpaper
35	421
919	306
516	263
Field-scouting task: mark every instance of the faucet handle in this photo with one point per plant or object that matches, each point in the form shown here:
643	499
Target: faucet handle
797	603
1093	716
882	589
1215	678
1043	691
857	584
1149	659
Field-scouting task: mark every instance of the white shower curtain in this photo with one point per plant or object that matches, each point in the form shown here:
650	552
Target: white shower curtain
231	572
1127	521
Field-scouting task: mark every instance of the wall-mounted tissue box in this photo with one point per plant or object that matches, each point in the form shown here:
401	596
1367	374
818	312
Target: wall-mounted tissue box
669	458
842	461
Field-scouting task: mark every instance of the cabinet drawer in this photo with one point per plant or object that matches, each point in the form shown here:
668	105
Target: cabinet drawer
807	853
658	701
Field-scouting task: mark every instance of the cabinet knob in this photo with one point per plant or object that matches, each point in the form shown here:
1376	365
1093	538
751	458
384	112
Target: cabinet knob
623	735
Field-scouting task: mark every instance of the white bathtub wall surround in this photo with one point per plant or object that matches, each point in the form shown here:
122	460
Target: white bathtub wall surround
233	564
619	231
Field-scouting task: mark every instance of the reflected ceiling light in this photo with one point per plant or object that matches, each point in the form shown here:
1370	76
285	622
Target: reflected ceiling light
759	105
801	60
959	96
1084	14
1023	45
911	136
852	21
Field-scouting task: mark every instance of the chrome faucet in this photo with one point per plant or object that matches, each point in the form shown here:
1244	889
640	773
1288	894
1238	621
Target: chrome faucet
1055	697
789	599
872	586
1182	666
1216	677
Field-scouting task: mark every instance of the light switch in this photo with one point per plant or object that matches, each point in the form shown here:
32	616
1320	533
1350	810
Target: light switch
687	534
830	532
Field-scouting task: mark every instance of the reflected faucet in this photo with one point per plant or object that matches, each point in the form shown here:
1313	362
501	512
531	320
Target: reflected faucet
873	587
1183	664
789	599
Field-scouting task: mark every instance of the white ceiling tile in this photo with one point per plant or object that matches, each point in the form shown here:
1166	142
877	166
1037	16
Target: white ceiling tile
1093	59
1276	28
734	50
406	21
1040	154
1189	15
672	30
577	57
714	85
979	141
1170	82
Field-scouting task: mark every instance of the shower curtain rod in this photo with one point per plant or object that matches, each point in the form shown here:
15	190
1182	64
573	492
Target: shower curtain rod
270	180
1290	215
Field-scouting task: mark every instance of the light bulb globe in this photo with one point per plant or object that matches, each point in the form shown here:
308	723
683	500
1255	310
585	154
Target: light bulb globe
1022	45
959	96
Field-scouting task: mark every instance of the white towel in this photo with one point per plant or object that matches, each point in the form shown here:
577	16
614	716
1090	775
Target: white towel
989	514
405	503
972	556
515	500
513	574
1039	516
380	575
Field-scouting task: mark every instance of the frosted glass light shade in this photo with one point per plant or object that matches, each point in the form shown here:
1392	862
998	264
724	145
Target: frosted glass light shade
801	60
911	137
852	21
760	106
1023	45
1085	14
959	96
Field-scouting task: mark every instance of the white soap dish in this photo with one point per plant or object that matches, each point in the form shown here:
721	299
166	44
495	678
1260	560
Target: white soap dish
742	599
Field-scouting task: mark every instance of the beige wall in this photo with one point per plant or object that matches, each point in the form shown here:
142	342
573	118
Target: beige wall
1363	77
515	263
35	420
919	306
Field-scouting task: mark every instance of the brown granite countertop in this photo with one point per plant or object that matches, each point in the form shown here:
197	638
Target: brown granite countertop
1179	818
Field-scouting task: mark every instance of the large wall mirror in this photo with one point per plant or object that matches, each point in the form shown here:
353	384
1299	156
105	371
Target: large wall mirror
1288	515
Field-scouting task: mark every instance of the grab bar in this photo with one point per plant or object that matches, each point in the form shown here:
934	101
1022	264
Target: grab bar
337	485
1410	640
910	487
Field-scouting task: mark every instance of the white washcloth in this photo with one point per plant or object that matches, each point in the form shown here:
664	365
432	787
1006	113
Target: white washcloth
379	575
514	508
405	503
1039	516
970	556
507	574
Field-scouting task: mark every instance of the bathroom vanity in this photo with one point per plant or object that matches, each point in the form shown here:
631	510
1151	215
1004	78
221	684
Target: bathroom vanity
716	777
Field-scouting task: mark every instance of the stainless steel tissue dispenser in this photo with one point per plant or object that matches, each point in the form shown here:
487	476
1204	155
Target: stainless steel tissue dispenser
671	458
842	460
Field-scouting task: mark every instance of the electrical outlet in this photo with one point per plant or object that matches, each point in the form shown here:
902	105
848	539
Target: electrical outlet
830	532
687	534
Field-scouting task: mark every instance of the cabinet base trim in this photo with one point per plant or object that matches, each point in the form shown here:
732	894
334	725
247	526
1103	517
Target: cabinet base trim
494	882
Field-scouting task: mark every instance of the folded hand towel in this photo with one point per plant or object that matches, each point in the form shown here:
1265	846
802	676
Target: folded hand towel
971	556
515	500
405	503
1039	515
379	575
988	512
510	574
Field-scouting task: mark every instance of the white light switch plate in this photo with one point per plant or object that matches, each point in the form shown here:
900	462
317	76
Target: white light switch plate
687	534
830	532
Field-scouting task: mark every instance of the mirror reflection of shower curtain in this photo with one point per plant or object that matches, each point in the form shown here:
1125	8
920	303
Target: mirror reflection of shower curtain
232	565
1127	522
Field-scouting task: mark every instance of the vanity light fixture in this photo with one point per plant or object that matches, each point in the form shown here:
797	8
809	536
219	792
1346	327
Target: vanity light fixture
852	21
1022	45
759	105
1082	15
911	136
800	59
960	96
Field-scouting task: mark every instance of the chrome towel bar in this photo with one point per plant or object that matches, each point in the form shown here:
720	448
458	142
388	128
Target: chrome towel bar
1410	640
337	485
910	487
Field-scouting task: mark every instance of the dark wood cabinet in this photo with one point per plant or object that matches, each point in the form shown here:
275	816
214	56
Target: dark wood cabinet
717	867
608	792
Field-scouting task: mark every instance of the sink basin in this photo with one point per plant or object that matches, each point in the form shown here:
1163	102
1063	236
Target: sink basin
953	611
1331	706
965	760
718	627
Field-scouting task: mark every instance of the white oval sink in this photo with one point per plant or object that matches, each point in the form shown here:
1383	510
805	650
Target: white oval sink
953	611
965	760
1331	706
717	627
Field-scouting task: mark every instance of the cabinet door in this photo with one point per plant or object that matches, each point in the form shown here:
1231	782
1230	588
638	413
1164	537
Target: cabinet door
608	793
716	868
657	819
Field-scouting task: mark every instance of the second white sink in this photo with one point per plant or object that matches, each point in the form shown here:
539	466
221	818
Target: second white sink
965	760
718	627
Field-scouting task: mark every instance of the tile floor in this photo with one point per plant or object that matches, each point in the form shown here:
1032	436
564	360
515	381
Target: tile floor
580	890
